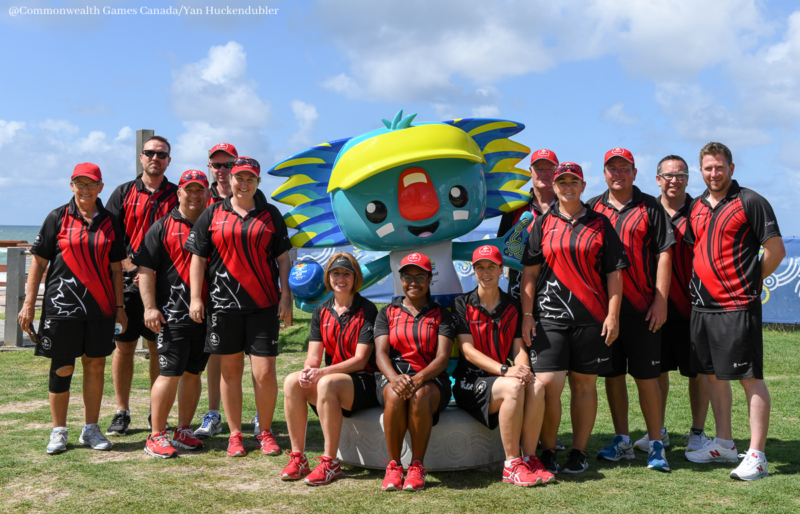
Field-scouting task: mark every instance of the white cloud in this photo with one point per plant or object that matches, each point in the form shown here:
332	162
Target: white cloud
486	111
616	114
306	116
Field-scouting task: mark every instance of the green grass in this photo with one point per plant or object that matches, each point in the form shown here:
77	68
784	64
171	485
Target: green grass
37	314
127	480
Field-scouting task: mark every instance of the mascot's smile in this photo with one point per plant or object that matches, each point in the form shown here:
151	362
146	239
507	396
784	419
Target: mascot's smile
426	231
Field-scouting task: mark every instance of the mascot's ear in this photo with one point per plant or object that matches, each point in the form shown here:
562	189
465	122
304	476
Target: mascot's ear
306	191
503	180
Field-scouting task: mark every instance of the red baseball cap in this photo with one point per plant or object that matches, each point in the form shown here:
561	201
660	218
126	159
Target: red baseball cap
568	168
488	252
193	177
224	147
545	154
416	259
88	170
246	164
619	152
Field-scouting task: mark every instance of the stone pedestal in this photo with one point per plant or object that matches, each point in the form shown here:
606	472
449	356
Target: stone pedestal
457	442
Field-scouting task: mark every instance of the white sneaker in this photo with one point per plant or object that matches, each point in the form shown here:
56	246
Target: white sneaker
92	436
256	426
58	441
712	452
643	444
752	467
211	425
695	442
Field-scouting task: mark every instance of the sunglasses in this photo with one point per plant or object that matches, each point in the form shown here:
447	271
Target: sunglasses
247	162
419	279
218	165
150	153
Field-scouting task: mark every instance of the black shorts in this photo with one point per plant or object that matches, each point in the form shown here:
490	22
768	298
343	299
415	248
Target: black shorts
442	382
363	393
70	339
676	335
728	344
134	309
637	350
181	348
251	332
578	348
473	393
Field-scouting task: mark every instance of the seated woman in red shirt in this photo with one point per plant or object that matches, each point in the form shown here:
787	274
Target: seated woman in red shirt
341	327
489	326
413	339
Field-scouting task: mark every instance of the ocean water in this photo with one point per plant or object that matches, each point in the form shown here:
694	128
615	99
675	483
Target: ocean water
16	233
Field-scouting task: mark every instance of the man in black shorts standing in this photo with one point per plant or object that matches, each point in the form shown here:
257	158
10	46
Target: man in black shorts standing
137	205
728	225
672	174
164	282
646	232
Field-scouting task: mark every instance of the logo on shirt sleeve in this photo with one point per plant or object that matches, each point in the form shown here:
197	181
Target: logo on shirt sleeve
191	239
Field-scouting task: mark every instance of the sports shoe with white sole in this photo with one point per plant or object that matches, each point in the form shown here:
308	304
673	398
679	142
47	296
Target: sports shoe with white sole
657	458
616	449
119	424
58	441
519	473
92	436
256	426
326	471
643	444
159	446
210	426
713	452
694	441
752	467
576	462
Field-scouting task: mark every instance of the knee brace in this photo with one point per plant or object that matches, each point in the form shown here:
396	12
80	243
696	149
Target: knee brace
59	384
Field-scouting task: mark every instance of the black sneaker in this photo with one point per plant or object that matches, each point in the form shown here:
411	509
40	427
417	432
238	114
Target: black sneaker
576	462
559	444
119	425
550	461
150	423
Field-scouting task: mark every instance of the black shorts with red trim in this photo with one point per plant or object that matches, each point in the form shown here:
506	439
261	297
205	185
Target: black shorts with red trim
181	349
728	344
676	348
134	309
70	338
637	350
473	393
442	382
578	348
363	393
252	332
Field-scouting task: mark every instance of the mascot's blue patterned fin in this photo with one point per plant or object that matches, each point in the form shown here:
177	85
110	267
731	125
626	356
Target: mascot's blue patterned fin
504	181
306	191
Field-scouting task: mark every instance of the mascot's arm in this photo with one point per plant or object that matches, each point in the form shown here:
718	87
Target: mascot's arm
372	271
511	245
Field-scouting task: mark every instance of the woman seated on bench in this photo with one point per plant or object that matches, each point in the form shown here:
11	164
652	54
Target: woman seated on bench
341	327
489	335
413	339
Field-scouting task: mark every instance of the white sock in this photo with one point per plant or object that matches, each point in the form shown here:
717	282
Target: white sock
214	412
759	454
625	438
652	443
59	428
88	426
724	443
526	459
508	462
122	411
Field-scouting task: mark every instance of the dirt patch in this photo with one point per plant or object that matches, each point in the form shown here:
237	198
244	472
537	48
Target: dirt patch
38	493
9	422
22	407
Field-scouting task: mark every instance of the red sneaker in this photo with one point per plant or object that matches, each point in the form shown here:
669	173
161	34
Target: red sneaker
326	471
393	481
518	473
538	469
269	446
235	445
296	468
415	479
184	439
159	446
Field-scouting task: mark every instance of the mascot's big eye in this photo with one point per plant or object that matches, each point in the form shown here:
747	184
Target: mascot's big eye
376	211
459	196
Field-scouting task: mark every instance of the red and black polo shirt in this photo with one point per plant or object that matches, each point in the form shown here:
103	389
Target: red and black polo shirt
727	240
414	339
242	270
78	284
493	333
340	334
680	301
575	259
645	230
163	250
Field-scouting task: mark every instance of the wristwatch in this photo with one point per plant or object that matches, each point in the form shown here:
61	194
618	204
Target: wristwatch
503	370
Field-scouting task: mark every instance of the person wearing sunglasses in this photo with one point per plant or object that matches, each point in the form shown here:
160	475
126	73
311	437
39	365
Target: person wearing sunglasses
342	330
83	245
413	339
489	327
137	205
571	297
241	245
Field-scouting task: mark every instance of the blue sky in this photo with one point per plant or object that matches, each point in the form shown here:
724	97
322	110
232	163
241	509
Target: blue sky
656	77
